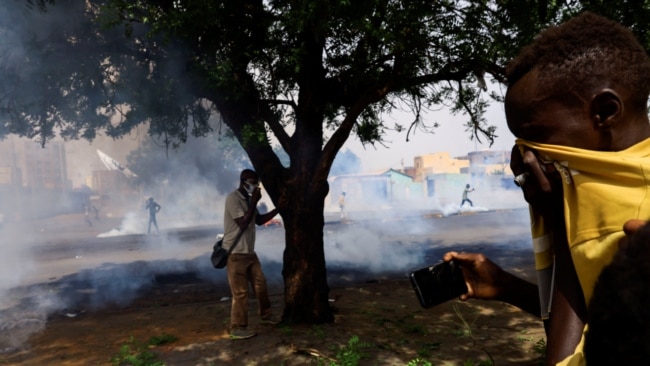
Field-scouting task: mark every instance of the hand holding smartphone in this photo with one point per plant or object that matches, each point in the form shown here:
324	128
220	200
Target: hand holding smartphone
438	283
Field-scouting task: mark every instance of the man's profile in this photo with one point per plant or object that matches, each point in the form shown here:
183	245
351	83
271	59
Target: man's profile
577	103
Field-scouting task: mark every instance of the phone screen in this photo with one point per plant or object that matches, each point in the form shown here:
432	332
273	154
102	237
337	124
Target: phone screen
438	283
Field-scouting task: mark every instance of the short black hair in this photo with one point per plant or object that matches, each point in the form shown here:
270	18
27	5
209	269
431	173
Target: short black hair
619	311
578	55
248	174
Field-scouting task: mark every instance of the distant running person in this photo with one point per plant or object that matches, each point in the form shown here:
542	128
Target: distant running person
87	215
342	205
153	208
465	196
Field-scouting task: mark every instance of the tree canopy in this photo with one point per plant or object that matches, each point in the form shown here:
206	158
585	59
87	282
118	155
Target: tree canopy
309	74
199	161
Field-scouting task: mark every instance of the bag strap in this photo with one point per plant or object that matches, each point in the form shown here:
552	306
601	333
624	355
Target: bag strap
241	231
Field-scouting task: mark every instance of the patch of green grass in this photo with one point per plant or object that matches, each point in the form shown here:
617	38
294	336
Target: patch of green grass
480	363
419	362
522	336
350	354
134	353
370	312
162	339
286	329
388	310
318	332
465	328
423	353
466	331
381	322
431	346
377	318
540	349
402	341
425	350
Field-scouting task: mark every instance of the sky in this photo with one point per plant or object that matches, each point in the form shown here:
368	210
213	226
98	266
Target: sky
450	136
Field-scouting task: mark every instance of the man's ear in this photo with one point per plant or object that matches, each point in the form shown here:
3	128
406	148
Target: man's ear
605	108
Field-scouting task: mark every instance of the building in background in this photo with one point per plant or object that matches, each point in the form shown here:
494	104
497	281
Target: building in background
489	162
61	177
45	167
368	191
11	185
435	176
488	170
33	178
438	163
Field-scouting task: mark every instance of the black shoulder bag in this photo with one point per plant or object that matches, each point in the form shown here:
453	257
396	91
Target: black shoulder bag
219	255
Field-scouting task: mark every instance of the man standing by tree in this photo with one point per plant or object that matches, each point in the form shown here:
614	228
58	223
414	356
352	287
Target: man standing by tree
243	266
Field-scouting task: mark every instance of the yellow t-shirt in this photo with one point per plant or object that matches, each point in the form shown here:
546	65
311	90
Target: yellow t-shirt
602	190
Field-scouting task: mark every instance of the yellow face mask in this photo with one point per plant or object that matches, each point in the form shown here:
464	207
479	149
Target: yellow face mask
601	191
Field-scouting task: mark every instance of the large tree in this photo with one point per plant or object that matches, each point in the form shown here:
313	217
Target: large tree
310	74
304	74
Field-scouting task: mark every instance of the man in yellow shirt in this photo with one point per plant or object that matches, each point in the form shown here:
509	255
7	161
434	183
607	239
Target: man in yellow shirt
577	102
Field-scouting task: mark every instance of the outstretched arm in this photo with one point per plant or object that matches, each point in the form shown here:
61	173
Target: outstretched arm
486	280
263	219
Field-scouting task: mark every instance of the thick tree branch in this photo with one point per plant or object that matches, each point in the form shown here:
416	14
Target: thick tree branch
275	125
340	136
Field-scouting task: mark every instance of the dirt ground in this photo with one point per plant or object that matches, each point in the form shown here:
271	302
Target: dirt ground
385	316
383	312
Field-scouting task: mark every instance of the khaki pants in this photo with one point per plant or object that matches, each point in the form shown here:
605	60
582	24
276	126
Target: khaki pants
242	269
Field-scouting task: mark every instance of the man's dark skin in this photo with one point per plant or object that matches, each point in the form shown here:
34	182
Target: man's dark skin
602	122
255	197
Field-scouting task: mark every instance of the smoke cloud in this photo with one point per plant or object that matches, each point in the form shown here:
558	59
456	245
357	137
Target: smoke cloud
56	264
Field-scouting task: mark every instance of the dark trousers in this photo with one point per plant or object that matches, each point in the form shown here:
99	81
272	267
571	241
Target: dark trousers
466	200
152	219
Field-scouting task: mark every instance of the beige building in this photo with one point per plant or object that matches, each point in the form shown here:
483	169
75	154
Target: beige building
25	163
489	162
438	163
37	180
45	167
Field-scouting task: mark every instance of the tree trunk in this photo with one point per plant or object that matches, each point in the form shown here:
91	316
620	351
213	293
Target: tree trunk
306	292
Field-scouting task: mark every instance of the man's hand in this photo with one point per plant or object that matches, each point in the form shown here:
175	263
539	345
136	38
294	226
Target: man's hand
542	181
482	276
630	227
256	196
485	280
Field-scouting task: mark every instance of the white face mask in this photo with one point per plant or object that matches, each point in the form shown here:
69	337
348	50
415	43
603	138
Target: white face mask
250	188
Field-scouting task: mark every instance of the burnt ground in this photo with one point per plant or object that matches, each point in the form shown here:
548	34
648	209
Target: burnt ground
378	307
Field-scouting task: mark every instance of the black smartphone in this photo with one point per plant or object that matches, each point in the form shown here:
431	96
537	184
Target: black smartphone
438	283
